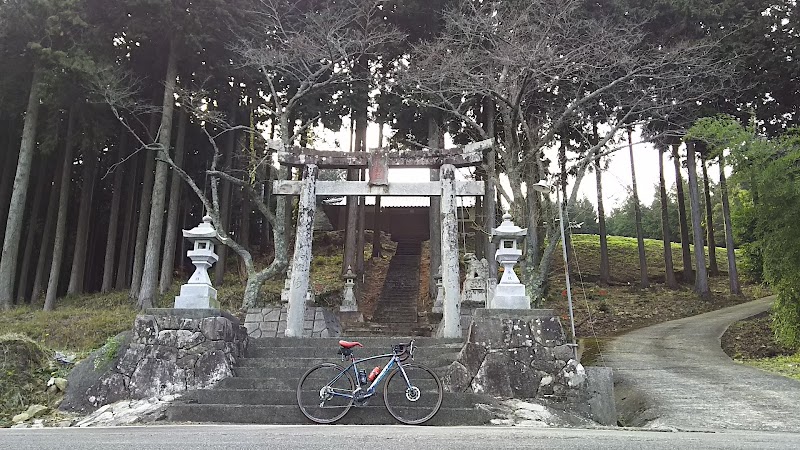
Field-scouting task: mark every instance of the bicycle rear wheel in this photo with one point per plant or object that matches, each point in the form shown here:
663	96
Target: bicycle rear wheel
325	393
414	401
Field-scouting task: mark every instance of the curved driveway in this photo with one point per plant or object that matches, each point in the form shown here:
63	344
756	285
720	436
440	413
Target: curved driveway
676	375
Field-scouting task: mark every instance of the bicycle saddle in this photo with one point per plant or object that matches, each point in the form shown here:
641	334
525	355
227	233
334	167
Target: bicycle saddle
348	344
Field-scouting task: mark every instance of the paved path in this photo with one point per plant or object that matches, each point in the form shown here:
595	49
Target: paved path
676	375
383	437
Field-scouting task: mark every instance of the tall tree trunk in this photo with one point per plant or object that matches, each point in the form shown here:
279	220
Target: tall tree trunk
225	195
61	220
688	274
149	288
562	185
490	204
701	280
669	270
733	274
143	224
32	232
361	108
124	260
645	282
6	183
377	249
434	213
351	222
713	268
113	219
8	260
78	271
174	209
46	247
605	267
16	209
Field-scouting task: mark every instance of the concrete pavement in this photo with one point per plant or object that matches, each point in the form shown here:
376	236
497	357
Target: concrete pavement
675	375
384	437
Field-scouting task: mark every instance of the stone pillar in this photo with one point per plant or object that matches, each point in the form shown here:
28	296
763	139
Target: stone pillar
450	276
301	266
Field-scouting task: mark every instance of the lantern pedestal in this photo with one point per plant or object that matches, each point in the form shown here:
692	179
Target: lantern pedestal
197	296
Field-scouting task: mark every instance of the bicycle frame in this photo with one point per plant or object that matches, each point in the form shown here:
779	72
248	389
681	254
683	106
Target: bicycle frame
370	390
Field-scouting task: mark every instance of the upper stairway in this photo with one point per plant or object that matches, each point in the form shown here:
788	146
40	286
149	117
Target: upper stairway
396	312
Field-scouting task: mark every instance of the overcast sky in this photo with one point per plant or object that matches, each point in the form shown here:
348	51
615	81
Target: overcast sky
616	180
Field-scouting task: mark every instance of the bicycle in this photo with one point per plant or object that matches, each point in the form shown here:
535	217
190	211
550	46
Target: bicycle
412	392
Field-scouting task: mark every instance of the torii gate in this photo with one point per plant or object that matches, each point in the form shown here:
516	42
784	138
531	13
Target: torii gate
378	163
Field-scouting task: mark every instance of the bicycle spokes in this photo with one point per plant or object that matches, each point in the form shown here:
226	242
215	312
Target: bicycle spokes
416	400
330	402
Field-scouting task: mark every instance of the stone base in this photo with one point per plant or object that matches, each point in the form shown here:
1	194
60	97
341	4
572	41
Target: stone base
524	354
197	296
350	317
510	296
271	322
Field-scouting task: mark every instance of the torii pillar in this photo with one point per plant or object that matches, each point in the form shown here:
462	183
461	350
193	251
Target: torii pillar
301	265
451	308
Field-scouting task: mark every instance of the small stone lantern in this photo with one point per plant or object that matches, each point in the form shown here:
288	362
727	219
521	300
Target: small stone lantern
349	297
509	293
198	293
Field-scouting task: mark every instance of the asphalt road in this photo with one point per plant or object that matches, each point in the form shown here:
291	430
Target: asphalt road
311	437
675	375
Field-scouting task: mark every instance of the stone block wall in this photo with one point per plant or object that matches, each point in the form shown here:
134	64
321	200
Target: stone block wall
524	354
168	351
271	322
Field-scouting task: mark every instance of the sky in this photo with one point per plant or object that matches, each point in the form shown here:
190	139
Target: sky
616	180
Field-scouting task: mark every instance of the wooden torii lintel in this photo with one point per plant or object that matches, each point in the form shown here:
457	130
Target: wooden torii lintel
469	155
335	188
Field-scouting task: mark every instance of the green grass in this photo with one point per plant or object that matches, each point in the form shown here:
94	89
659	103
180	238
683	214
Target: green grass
788	366
78	324
623	256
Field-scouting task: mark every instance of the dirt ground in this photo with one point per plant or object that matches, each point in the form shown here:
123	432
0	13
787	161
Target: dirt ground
603	312
753	339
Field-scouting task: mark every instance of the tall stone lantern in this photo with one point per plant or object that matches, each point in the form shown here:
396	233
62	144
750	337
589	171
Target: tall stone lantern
198	293
509	293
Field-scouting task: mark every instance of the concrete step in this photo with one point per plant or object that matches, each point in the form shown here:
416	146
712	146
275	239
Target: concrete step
289	397
369	342
301	364
329	352
292	374
290	414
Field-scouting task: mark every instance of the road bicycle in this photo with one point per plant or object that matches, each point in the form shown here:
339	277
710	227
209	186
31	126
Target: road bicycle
412	392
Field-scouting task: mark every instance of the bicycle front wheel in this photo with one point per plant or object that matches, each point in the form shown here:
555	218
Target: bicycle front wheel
325	393
415	398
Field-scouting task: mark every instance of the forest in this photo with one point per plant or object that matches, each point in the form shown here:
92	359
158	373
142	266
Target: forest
123	122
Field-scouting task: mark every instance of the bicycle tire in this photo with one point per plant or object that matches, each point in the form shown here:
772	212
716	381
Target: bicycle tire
310	399
415	404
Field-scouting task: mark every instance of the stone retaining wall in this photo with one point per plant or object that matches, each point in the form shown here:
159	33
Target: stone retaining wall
168	351
271	322
524	354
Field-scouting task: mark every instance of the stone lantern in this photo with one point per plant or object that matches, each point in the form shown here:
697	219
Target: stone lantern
349	303
509	293
198	293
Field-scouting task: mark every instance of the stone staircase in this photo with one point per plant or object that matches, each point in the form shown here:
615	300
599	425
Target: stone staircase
263	388
396	310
